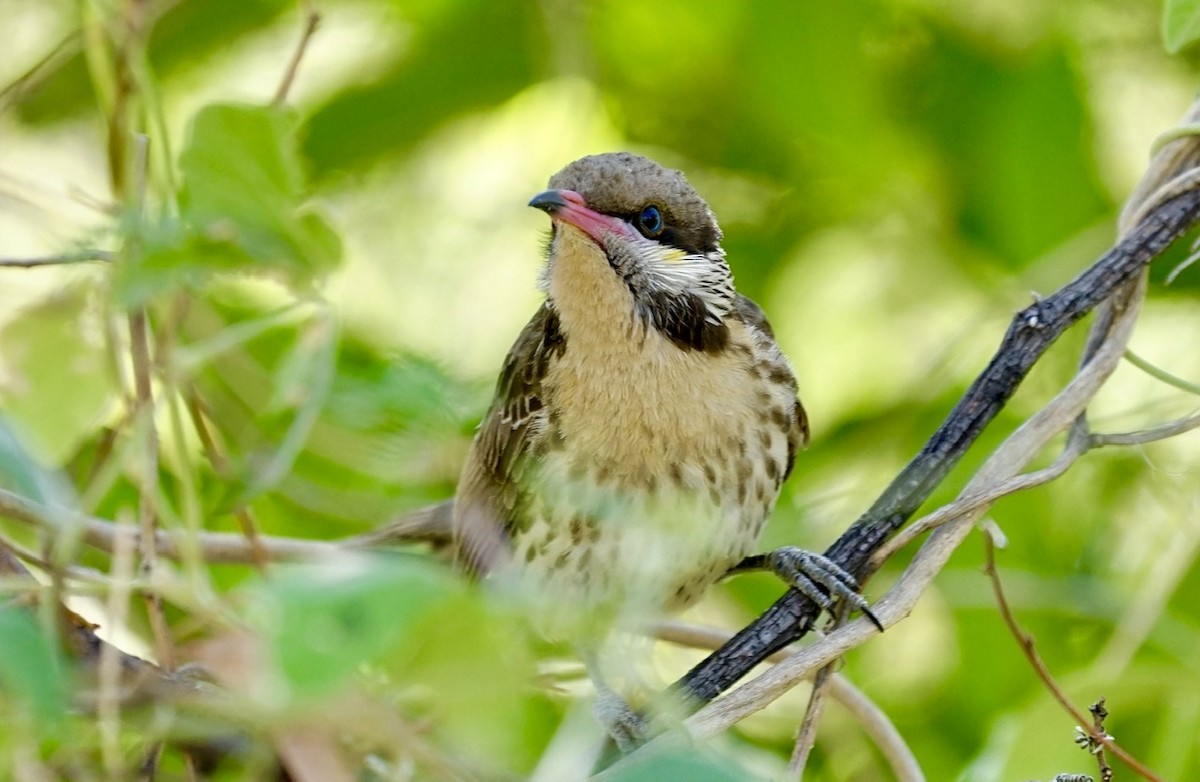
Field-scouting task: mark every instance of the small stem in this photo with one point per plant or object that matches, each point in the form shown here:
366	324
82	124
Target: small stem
241	512
1025	641
1161	374
147	517
806	735
63	259
312	20
1099	714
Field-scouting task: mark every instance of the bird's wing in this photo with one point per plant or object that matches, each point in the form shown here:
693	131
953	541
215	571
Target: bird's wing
487	498
754	317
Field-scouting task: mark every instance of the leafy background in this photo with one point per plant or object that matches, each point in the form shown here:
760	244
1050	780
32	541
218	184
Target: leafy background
338	283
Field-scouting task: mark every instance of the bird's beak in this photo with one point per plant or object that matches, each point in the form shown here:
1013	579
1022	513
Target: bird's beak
567	206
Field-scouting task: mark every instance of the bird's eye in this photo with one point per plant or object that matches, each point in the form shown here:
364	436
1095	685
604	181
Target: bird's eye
650	221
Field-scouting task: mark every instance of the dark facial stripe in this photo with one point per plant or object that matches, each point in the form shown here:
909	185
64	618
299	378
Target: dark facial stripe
683	319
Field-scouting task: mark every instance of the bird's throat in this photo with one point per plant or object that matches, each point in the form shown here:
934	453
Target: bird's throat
594	305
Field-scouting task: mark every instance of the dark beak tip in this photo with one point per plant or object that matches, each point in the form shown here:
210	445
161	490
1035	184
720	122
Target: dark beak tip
548	201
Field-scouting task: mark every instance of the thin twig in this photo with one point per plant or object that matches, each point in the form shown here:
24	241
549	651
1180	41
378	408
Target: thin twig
806	735
139	351
148	489
246	523
312	19
1153	434
1158	373
63	259
1025	641
1099	714
983	499
216	547
14	91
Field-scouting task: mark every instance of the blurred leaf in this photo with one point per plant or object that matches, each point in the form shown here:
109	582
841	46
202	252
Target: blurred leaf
1181	24
474	662
300	388
682	764
1021	179
470	54
322	623
31	668
20	472
184	37
399	393
243	192
56	386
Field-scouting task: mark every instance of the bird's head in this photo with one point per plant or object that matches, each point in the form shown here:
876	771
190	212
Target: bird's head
658	236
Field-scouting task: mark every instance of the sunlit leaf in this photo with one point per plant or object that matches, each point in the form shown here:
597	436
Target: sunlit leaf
1181	24
31	668
322	623
689	765
242	205
473	660
433	84
57	385
21	472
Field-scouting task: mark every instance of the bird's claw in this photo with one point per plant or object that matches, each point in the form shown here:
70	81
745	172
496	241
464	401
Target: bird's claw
624	725
818	578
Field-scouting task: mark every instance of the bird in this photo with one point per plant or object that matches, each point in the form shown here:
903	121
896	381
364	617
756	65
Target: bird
643	421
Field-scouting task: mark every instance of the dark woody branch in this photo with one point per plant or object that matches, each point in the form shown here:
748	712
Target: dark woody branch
1031	333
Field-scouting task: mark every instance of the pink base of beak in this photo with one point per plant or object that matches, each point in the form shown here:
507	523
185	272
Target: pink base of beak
569	207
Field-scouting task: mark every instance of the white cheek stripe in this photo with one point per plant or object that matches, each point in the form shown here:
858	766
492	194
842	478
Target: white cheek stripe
673	271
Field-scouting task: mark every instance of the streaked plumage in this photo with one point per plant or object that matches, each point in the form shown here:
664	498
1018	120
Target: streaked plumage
643	421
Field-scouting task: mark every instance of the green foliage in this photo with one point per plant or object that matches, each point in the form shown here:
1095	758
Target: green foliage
56	401
331	287
680	765
240	209
1181	24
32	671
322	624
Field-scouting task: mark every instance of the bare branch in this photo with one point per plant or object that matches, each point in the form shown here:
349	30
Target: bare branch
216	547
1099	714
246	522
1014	453
1154	217
873	719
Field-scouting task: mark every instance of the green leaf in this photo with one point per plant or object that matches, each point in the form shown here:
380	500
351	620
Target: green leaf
242	207
1181	24
56	385
1022	181
432	83
322	623
474	664
21	472
30	666
689	765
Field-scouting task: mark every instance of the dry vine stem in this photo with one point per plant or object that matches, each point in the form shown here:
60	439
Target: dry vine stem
871	718
1001	473
1005	463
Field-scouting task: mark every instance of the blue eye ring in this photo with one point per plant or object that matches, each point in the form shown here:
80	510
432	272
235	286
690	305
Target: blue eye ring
650	221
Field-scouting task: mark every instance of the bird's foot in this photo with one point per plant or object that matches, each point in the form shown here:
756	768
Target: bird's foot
625	726
818	578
